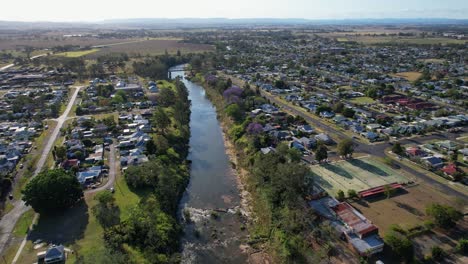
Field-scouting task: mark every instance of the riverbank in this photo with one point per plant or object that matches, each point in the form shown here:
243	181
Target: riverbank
256	255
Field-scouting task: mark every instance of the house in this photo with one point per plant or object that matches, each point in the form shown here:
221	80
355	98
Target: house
447	145
351	225
267	150
450	169
308	143
373	127
53	255
306	129
433	162
324	138
297	145
371	136
327	114
415	152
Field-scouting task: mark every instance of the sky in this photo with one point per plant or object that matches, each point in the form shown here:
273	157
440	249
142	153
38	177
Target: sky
97	10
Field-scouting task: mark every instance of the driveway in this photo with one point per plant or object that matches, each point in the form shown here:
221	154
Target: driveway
8	221
112	166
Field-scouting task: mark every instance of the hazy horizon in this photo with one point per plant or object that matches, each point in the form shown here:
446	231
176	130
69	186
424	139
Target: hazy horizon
98	11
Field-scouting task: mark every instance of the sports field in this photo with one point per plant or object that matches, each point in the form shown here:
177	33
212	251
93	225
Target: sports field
356	174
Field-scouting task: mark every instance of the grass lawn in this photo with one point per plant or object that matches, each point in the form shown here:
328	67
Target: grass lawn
362	100
410	76
22	226
76	54
342	39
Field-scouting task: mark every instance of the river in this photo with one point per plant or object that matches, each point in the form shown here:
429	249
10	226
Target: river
210	237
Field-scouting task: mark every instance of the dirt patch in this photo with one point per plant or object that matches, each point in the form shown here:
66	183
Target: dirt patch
406	208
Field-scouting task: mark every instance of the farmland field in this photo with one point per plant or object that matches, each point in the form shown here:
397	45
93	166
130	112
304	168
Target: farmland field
76	54
153	47
12	44
362	100
356	174
368	38
410	76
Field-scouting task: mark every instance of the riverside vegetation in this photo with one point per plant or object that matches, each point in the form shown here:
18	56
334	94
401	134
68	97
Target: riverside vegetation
278	181
151	234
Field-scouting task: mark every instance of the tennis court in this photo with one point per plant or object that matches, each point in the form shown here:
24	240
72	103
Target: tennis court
356	174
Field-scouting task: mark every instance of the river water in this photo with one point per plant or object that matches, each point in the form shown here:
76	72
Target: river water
218	237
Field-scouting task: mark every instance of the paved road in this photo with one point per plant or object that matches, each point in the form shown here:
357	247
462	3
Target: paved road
11	65
7	67
8	221
112	167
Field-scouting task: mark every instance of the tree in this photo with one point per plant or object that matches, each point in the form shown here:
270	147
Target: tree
53	190
348	112
234	112
340	195
160	120
398	149
437	253
151	147
352	193
399	244
388	191
462	246
444	216
167	97
346	148
338	107
321	153
106	211
60	153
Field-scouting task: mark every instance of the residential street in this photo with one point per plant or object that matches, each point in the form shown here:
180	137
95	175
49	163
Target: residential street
8	221
378	150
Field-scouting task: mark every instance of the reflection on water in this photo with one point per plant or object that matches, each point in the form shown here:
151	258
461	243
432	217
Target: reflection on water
214	234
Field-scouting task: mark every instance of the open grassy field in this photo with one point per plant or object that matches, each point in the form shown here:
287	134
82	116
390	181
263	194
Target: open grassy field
357	174
362	100
406	208
48	42
410	76
76	54
153	47
77	228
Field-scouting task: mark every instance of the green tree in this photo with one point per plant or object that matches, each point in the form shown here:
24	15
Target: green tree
400	245
321	153
398	149
106	211
462	246
352	193
151	147
60	153
53	190
161	120
167	97
340	195
437	253
346	147
444	216
234	112
348	112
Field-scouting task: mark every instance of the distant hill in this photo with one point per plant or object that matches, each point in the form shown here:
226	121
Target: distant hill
154	23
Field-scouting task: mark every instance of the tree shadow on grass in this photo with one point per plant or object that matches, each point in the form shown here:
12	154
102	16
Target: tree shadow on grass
320	181
338	170
368	167
62	228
